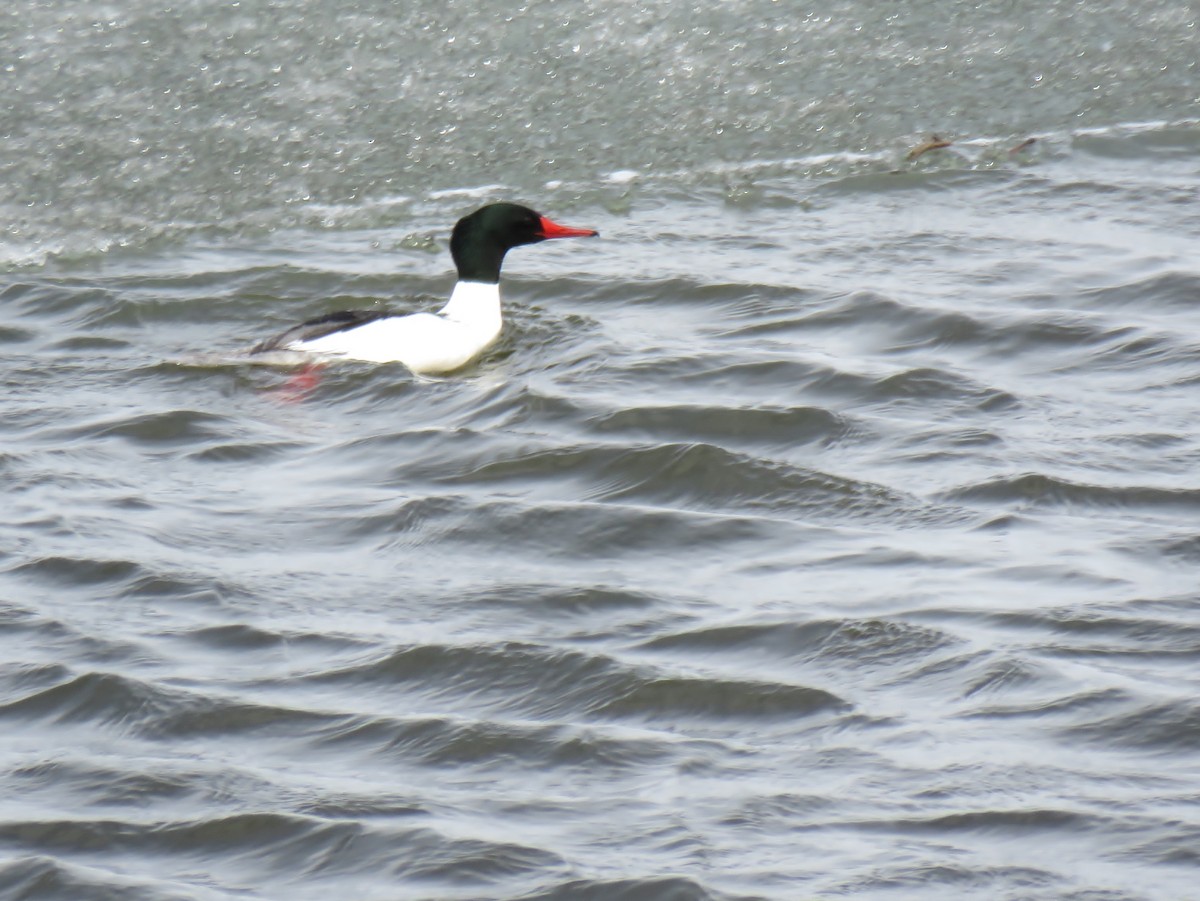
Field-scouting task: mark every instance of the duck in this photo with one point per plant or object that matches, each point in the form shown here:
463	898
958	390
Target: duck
454	336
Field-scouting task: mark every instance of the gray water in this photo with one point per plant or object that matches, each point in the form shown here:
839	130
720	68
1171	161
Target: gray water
827	529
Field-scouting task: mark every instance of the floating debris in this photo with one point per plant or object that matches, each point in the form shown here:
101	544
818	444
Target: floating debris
1024	145
934	143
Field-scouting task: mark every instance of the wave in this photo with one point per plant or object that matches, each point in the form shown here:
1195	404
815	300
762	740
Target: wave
1041	490
543	683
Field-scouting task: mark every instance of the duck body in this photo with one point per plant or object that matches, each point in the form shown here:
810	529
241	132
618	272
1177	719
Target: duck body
434	343
427	343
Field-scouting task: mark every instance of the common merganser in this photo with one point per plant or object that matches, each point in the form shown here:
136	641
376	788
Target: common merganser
432	343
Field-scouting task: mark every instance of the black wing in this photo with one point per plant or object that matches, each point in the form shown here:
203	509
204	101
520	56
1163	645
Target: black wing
320	327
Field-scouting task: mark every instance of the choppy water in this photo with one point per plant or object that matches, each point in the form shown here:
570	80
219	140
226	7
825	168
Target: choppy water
828	529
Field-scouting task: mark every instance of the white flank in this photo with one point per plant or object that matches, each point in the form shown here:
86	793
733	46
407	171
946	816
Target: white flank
424	342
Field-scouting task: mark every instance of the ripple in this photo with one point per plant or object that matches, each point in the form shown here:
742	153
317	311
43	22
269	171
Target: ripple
80	570
934	384
663	888
236	638
1160	728
584	530
758	425
1023	821
242	452
48	879
934	877
1167	291
858	645
1071	706
14	335
19	678
101	697
439	741
165	429
103	786
1111	632
308	847
708	699
708	478
151	710
567	600
541	683
1040	490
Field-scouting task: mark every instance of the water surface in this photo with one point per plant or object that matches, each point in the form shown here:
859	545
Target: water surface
826	529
